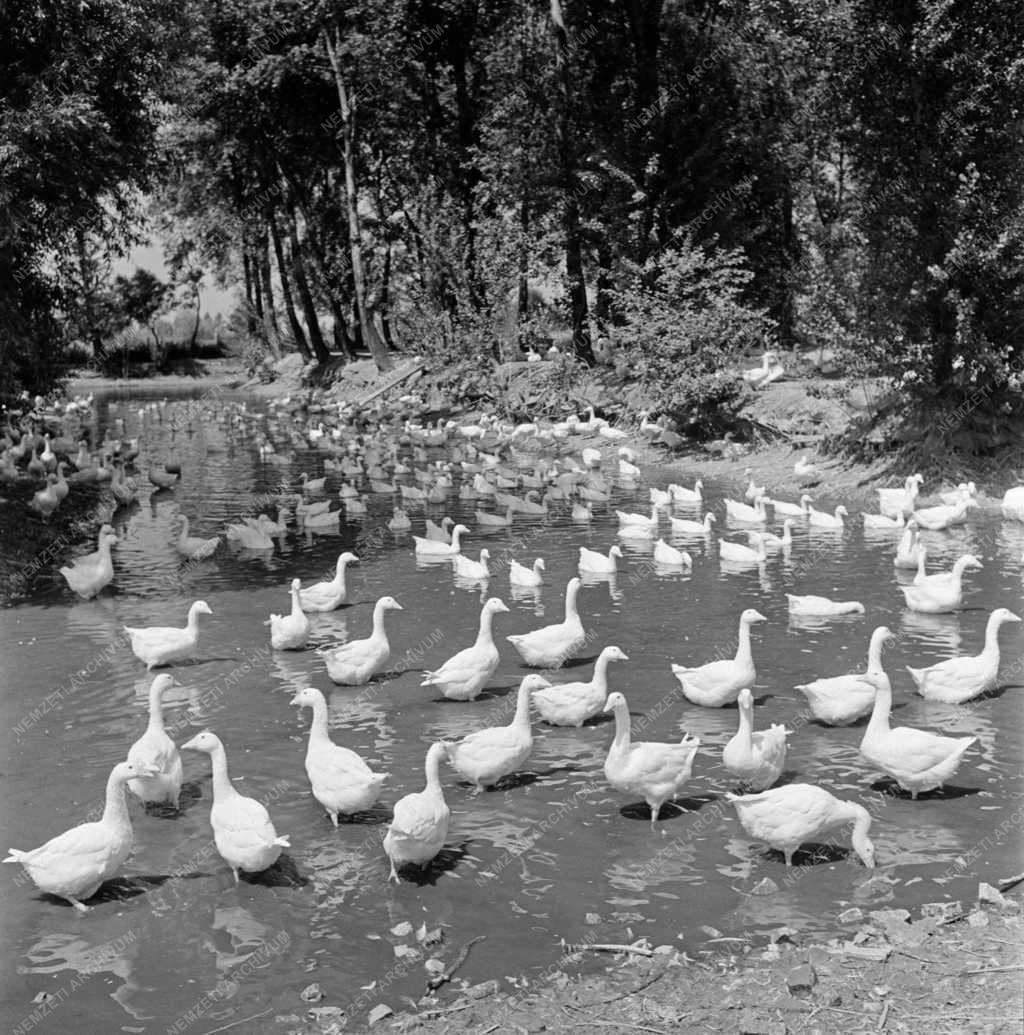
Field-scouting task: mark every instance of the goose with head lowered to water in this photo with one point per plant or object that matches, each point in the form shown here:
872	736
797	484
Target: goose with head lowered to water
465	674
957	680
719	683
552	645
787	817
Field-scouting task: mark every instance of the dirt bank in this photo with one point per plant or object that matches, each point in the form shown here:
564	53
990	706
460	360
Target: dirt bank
949	970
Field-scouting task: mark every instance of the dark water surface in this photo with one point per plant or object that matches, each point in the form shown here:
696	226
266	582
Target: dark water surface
175	942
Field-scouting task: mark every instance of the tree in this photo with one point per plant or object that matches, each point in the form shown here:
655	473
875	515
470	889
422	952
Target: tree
141	298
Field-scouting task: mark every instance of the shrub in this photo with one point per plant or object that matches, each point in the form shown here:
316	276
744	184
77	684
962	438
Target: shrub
685	323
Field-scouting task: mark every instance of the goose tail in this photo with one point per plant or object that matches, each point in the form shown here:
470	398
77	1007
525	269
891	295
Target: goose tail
16	855
917	674
429	678
283	841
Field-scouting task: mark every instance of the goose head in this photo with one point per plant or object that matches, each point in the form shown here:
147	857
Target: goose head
389	604
841	511
206	741
534	682
750	616
125	771
614	702
614	653
745	699
1003	615
495	606
615	551
346	558
307	697
164	682
201	607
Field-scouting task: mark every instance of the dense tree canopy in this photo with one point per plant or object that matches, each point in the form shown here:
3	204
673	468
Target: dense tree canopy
386	175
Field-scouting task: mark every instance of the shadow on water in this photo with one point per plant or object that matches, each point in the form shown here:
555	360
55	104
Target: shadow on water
671	810
811	854
947	793
283	874
444	862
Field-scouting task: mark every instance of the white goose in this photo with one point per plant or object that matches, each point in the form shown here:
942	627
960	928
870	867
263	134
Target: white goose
895	501
957	680
93	572
440	533
840	700
741	513
419	823
940	593
757	759
776	542
907	553
327	596
670	556
435	548
916	759
467	568
657	771
571	704
627	520
74	864
356	662
737	553
797	510
192	547
820	519
598	563
681	494
935	519
753	491
553	645
789	816
163	645
1012	505
719	682
242	831
341	781
822	606
291	631
465	674
487	755
520	575
681	526
155	753
884	523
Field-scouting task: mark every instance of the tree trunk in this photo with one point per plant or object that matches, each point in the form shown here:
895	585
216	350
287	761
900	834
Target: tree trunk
385	299
469	175
369	332
316	338
603	301
268	313
199	318
571	208
523	286
286	289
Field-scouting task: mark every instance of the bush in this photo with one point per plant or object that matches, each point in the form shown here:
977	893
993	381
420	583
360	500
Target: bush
685	324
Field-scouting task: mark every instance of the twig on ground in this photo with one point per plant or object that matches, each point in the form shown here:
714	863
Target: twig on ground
992	970
638	950
882	1019
446	975
626	995
242	1020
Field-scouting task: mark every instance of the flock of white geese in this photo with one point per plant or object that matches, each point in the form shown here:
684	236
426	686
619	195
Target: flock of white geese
491	462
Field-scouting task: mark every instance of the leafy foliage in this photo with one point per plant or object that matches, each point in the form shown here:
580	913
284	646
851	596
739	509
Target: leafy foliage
685	320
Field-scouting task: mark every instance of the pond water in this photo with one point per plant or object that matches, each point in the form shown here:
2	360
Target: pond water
175	945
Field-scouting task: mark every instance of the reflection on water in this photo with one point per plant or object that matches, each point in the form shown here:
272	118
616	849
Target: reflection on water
525	862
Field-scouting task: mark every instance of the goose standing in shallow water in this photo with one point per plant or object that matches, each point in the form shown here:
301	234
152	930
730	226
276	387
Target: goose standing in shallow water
917	760
155	753
839	700
756	759
74	864
95	571
290	631
655	770
340	780
553	645
464	675
242	831
356	662
719	682
419	823
789	816
162	645
957	680
328	596
487	755
571	704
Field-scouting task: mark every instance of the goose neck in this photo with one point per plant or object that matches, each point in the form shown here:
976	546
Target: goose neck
222	785
746	725
521	718
622	730
743	652
571	612
875	653
484	636
600	680
378	621
432	768
156	708
992	635
318	725
879	721
115	807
